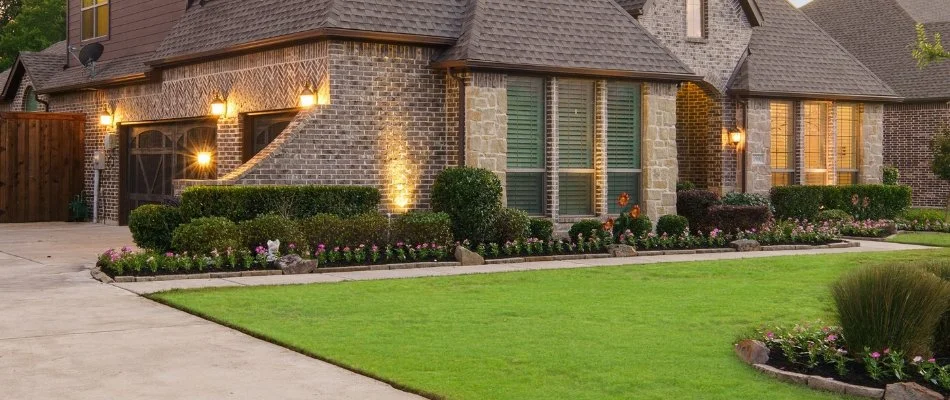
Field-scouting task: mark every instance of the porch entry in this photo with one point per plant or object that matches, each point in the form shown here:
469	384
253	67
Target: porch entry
155	154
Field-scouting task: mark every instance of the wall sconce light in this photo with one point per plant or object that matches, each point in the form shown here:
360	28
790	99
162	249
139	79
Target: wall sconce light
203	159
308	98
736	137
218	106
106	120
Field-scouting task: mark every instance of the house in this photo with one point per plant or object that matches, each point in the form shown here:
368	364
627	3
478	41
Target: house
29	73
881	34
570	103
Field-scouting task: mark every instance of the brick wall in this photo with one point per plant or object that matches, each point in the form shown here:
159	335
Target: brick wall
908	131
699	136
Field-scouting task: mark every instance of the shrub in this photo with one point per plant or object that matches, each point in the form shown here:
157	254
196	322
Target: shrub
203	235
834	216
892	175
322	229
370	228
511	225
732	219
472	198
942	336
685	185
637	226
242	203
542	228
891	307
924	215
672	225
260	230
152	226
422	227
746	199
586	227
694	205
862	201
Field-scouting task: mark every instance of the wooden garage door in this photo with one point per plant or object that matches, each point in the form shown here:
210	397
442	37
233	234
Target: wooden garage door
157	154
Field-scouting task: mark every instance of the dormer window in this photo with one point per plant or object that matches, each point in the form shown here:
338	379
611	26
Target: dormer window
95	19
696	19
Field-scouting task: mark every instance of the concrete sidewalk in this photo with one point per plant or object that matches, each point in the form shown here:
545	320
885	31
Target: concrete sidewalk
66	336
160	286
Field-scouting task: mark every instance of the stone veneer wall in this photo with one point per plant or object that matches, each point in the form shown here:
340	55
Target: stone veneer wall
758	146
486	123
908	131
16	104
385	127
872	143
262	81
660	167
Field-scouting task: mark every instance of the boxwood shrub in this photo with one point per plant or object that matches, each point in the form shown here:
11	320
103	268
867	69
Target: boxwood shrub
862	201
695	205
587	226
422	227
369	229
672	225
260	230
732	219
242	203
511	225
542	228
202	235
322	229
152	226
472	198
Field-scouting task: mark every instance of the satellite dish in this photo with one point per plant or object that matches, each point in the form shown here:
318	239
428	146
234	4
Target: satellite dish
91	53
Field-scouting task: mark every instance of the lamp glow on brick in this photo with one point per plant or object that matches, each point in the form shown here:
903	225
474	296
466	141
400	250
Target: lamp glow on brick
203	159
219	107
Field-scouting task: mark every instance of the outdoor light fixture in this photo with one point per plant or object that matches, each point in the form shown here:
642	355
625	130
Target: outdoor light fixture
308	98
218	106
736	137
106	119
204	159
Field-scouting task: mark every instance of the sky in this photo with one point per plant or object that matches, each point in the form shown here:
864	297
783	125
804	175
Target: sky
799	3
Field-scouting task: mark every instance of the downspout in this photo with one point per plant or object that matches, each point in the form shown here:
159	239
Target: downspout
41	101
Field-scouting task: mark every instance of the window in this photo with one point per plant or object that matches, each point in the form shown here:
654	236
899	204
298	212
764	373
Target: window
783	144
261	129
623	143
816	143
525	172
849	136
30	104
576	147
95	19
696	19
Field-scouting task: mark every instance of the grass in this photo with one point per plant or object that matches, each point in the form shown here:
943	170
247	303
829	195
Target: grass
923	239
645	332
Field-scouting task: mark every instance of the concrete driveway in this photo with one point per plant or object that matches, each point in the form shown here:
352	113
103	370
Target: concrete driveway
65	336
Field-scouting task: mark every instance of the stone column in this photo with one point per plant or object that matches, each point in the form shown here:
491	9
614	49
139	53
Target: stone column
600	149
758	146
872	143
660	169
486	123
551	149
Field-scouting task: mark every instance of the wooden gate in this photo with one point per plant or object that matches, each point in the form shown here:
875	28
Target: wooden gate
41	165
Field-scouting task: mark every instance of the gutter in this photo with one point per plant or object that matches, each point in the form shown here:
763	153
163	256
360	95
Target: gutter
818	96
575	71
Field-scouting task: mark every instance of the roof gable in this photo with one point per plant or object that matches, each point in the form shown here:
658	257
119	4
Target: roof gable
751	8
40	66
791	56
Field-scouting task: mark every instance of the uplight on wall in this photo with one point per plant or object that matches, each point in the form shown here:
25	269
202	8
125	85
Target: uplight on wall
308	98
219	107
203	159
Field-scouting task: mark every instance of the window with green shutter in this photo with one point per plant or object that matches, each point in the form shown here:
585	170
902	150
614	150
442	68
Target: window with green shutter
623	142
576	147
525	172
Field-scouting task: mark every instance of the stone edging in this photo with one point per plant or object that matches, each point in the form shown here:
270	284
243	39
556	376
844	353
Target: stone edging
896	391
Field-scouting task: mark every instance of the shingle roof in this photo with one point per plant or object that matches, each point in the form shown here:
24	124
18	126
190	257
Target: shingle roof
109	70
881	32
39	65
791	55
221	24
634	7
560	34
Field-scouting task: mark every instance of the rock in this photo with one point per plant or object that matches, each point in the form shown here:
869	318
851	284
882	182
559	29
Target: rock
831	385
752	352
746	245
910	391
468	257
784	376
296	265
622	250
100	276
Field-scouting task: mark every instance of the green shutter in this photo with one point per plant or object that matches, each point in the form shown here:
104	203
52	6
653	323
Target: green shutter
623	125
525	122
526	191
576	194
576	124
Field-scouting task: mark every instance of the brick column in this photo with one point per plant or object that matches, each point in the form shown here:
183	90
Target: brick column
551	151
660	168
600	148
872	143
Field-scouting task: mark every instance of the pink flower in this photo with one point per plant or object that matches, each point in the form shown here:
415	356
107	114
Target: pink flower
831	338
770	335
321	247
932	360
169	254
292	246
887	350
127	249
875	355
260	250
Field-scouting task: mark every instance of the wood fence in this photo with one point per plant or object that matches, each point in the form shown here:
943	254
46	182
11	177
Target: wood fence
41	165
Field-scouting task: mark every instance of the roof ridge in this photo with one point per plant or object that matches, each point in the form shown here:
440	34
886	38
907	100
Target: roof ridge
332	16
845	50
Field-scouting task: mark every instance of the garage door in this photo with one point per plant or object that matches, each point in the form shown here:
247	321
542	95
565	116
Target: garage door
157	154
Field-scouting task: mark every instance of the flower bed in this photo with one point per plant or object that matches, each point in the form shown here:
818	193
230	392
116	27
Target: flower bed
533	247
773	233
868	228
821	350
923	226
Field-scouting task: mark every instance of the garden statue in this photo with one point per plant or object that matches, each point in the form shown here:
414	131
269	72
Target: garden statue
273	250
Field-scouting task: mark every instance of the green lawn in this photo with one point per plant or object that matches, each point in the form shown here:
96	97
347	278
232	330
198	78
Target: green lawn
923	238
639	332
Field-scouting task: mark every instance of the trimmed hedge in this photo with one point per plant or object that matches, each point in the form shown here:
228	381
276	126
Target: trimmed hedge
542	228
203	235
370	228
835	216
732	219
242	203
586	227
152	226
695	205
472	198
423	227
322	229
511	225
672	225
862	201
258	231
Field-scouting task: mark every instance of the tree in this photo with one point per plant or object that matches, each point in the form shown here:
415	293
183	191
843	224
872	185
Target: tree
941	153
927	52
36	25
8	10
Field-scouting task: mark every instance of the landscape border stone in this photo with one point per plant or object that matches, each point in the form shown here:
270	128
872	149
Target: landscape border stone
828	384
